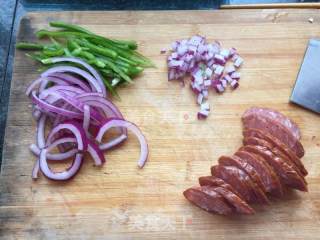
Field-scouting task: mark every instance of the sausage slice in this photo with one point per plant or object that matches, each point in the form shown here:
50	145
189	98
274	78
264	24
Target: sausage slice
248	169
276	116
276	143
238	179
269	178
276	130
285	171
208	199
274	150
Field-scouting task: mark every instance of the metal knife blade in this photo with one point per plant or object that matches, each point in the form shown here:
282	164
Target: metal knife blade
306	91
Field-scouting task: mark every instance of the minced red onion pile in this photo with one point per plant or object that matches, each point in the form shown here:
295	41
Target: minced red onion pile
74	103
210	67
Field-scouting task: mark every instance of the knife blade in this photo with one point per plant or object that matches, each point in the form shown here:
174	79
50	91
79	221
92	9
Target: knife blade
306	92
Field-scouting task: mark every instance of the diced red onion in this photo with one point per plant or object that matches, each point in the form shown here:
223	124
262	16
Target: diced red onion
234	84
235	75
205	106
200	99
228	78
207	83
205	63
208	72
205	93
202	114
230	69
163	51
223	83
219	70
238	62
225	53
219	59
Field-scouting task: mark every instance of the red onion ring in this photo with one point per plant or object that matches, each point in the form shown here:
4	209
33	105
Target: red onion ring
72	80
130	126
96	87
87	66
65	175
78	112
75	128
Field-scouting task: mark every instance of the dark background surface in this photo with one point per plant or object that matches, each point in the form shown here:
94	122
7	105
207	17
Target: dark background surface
11	12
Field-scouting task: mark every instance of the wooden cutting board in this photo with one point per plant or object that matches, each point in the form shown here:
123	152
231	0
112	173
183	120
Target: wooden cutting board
119	201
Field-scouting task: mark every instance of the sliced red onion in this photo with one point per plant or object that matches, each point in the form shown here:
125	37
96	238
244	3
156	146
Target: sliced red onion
86	119
35	170
72	80
96	154
36	113
87	66
111	111
33	85
46	107
52	80
93	82
75	128
41	130
60	176
130	126
70	90
54	156
69	97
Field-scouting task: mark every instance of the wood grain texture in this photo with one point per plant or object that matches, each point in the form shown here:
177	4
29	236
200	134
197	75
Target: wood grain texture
119	201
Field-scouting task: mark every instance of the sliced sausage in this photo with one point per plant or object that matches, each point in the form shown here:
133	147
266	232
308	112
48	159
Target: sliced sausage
277	116
269	178
277	143
285	171
239	205
238	179
276	151
208	199
276	130
248	169
216	182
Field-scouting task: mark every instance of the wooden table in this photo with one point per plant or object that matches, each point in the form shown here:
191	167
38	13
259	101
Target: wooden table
119	201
